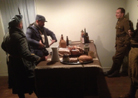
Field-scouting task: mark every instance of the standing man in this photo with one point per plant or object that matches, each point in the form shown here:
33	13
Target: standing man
122	43
21	60
133	64
37	37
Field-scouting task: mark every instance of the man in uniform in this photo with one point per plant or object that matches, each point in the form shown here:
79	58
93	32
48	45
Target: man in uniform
122	43
37	37
21	60
133	64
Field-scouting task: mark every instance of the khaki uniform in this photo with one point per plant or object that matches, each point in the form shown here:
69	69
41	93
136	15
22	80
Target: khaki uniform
122	43
133	59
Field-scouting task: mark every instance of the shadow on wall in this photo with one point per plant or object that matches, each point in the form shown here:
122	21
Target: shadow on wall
105	56
130	22
127	15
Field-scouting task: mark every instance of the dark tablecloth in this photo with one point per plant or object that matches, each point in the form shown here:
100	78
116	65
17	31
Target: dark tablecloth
54	79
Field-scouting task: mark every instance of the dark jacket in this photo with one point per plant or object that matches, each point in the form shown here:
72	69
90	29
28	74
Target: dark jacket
21	61
33	37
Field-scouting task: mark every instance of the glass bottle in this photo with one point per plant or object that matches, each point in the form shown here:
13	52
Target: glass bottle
82	36
62	42
67	41
86	37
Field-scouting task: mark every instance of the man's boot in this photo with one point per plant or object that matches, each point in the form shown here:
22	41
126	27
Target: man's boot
116	66
114	74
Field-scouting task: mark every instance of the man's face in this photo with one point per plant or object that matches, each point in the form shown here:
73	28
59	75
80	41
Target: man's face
40	23
20	25
119	14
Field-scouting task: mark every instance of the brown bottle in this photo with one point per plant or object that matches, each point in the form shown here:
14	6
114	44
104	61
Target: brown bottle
86	37
62	42
67	41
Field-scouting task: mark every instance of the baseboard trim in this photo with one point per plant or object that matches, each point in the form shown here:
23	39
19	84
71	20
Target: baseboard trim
105	69
3	74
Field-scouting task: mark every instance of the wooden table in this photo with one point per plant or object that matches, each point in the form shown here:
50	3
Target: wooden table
54	79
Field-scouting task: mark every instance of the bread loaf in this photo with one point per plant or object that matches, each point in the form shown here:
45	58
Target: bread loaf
85	58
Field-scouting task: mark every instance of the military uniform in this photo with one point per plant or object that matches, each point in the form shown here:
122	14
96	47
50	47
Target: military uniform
133	59
122	45
34	35
133	65
21	61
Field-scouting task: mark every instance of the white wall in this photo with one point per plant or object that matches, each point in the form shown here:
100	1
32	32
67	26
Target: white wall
3	65
69	17
132	10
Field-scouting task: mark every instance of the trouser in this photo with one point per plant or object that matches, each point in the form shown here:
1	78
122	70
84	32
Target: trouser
133	64
125	65
133	69
133	90
120	53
